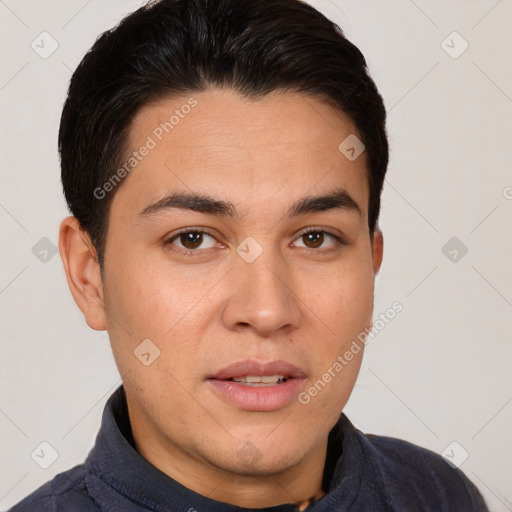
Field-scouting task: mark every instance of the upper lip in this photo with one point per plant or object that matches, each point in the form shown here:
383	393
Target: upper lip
255	368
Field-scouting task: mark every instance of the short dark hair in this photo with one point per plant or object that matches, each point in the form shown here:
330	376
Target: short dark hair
171	47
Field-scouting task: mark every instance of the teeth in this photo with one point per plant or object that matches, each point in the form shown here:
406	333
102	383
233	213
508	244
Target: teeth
260	380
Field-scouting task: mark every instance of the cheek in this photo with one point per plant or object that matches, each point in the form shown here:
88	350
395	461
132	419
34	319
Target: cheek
342	311
156	304
344	298
149	298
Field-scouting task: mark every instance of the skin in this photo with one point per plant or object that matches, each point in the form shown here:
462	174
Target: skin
299	301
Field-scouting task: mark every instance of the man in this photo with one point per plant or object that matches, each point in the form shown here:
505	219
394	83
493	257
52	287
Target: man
223	162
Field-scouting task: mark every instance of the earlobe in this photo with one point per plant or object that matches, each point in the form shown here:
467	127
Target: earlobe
377	249
82	272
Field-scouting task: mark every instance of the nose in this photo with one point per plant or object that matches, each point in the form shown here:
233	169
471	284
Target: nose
262	297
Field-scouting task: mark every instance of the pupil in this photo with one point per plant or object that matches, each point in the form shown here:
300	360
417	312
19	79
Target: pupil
191	240
314	239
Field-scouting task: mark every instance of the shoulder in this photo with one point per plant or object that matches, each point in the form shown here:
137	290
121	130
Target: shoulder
67	491
431	478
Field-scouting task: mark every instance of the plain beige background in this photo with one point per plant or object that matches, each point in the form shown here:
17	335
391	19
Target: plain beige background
438	373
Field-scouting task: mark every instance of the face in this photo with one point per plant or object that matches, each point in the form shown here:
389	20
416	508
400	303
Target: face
222	253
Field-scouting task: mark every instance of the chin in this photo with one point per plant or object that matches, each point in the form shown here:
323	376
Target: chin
259	455
255	463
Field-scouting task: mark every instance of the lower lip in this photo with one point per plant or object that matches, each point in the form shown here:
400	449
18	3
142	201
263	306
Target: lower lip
261	398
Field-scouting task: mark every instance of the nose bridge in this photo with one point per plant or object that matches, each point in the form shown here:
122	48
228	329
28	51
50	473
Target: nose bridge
261	293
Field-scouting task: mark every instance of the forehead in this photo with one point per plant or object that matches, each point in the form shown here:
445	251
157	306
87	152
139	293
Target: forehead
219	142
223	117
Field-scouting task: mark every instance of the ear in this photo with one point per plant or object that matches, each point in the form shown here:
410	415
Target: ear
377	249
82	272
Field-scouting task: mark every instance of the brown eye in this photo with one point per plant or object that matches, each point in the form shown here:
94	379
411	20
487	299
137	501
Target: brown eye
191	240
318	239
313	239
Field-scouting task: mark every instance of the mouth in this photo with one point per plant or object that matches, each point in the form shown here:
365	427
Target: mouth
256	381
255	372
256	386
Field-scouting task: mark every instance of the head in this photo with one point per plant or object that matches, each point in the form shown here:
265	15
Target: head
223	162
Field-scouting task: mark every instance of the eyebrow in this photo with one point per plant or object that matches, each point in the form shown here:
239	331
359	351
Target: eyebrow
338	199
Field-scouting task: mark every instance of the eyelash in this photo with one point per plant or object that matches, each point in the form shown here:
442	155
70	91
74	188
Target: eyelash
191	253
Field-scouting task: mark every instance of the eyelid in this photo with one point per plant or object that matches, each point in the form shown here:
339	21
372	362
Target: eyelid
200	230
197	229
168	240
315	229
